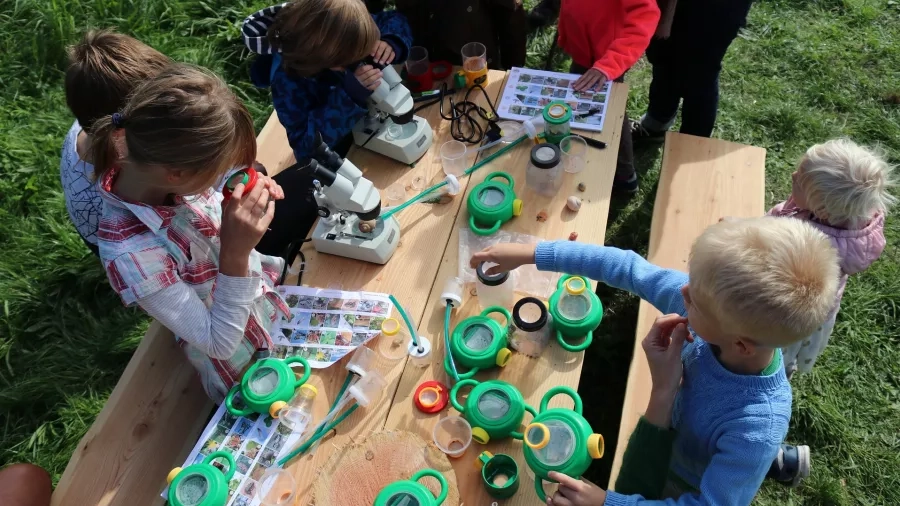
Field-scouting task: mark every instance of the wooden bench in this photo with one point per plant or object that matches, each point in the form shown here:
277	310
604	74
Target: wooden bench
701	181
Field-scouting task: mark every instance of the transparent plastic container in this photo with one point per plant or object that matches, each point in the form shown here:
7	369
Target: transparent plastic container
575	303
545	170
362	361
574	152
368	389
453	158
453	435
298	414
533	327
495	290
276	487
553	442
393	340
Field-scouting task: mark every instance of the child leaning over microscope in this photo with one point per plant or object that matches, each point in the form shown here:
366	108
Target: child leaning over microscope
841	189
754	286
307	52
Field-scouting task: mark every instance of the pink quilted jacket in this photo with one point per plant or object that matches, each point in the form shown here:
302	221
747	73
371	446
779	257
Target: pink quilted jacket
857	249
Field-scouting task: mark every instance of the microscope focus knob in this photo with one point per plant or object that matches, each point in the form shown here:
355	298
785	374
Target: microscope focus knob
323	212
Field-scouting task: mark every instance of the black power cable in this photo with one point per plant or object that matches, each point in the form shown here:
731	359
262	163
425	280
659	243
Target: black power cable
464	115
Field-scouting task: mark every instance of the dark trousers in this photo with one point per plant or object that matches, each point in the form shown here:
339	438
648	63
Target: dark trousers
686	66
625	161
295	214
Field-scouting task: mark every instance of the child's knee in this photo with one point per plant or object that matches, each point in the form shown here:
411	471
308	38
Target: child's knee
25	485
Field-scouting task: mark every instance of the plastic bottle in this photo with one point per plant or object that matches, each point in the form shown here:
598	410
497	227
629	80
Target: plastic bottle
298	414
544	172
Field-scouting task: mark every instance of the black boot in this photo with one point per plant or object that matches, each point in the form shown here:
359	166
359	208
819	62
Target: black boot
544	14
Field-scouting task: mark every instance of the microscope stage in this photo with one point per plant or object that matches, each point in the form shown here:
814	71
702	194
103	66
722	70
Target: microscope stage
404	143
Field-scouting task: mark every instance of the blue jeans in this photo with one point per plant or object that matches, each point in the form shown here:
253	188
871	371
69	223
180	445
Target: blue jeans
686	66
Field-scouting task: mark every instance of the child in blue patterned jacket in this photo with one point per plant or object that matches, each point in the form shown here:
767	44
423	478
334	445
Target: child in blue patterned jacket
753	286
306	48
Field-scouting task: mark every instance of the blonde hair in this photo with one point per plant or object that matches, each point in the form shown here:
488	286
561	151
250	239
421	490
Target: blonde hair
184	118
845	183
313	35
104	67
771	280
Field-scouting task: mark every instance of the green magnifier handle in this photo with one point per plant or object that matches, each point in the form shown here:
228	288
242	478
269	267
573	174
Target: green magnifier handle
561	390
539	489
229	399
501	175
519	435
222	455
483	231
455	392
307	371
575	347
461	375
439	477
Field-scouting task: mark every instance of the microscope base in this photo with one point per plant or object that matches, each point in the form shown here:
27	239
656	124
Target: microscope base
347	241
407	147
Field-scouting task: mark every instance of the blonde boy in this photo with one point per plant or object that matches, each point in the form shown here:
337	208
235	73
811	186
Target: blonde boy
754	286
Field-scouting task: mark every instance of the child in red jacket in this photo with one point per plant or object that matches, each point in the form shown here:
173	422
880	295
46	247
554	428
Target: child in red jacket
604	39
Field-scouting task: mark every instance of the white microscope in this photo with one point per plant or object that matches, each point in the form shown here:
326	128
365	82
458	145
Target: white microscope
349	207
391	128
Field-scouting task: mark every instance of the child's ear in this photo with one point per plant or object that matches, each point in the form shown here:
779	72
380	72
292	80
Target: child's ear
745	347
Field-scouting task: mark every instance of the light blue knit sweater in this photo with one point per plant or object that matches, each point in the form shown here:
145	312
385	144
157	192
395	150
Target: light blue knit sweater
729	426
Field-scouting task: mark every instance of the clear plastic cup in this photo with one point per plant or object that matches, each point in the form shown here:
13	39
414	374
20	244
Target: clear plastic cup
417	62
453	158
362	361
395	194
474	58
277	487
298	413
453	435
422	179
368	389
574	152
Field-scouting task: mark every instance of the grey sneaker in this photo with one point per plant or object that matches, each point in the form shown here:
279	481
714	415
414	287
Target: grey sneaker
791	465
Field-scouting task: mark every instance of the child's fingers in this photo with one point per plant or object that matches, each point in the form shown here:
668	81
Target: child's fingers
566	481
258	210
477	258
237	193
269	216
559	500
679	335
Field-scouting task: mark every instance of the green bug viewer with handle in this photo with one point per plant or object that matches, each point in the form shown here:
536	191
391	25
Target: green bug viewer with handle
492	203
494	409
576	312
267	386
560	440
479	342
412	493
201	484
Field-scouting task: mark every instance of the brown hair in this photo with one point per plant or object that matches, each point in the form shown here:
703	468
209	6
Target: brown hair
104	67
313	35
184	118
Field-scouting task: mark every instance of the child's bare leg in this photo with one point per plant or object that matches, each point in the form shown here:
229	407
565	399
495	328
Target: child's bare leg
25	485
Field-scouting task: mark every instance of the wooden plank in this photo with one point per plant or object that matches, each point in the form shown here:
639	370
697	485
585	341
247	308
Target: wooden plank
273	150
533	377
146	428
409	274
701	181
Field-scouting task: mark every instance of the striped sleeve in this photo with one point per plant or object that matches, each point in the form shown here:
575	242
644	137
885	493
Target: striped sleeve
255	27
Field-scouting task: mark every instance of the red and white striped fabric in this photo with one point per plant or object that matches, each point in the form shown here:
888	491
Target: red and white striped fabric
152	252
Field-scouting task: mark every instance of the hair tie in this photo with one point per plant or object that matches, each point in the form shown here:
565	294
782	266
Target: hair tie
118	120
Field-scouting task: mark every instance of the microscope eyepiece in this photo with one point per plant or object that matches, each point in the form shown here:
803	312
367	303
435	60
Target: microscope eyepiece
325	156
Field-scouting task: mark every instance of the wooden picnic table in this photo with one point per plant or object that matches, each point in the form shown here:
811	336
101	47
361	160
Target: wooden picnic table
532	376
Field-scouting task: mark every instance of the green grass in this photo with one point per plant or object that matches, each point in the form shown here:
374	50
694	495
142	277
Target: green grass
802	72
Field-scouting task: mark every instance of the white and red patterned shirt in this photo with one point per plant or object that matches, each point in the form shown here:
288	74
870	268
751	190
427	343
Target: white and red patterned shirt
165	259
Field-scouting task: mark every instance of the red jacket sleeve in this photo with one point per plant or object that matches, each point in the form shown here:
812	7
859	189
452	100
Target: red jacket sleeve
639	23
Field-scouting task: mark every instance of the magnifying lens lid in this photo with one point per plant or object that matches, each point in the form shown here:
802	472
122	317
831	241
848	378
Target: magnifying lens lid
537	436
557	111
390	327
192	489
575	286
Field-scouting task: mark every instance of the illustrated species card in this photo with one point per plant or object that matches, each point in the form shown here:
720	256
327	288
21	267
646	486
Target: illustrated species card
527	91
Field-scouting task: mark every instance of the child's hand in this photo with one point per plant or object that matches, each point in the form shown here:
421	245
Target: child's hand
589	79
383	53
368	76
245	219
275	190
574	492
506	256
663	348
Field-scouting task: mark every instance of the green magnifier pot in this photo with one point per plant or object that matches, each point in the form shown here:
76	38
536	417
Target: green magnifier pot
201	484
557	116
576	312
560	440
267	386
412	493
499	474
494	409
479	342
492	203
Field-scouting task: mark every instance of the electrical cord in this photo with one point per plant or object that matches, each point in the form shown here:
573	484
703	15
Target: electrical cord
463	116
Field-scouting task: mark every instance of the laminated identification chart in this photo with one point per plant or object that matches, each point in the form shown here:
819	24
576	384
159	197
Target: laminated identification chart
527	91
327	324
256	442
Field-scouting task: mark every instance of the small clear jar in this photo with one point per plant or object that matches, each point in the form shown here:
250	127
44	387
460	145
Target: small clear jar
393	340
493	290
545	172
533	328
